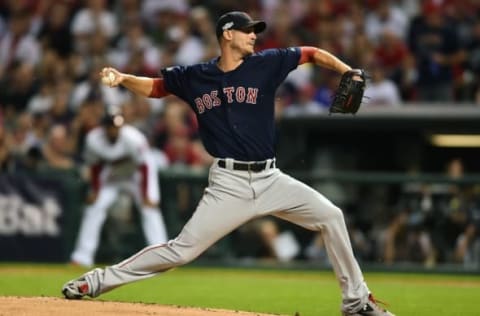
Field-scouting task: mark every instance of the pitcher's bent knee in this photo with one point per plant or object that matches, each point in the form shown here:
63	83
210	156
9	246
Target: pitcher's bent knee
335	219
337	213
330	215
186	257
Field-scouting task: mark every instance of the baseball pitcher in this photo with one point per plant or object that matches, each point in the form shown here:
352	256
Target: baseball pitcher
233	98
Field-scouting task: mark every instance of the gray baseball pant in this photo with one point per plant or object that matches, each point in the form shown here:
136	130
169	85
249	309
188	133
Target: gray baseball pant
231	199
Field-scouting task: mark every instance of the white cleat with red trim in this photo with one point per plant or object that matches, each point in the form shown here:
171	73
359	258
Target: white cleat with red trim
370	309
77	288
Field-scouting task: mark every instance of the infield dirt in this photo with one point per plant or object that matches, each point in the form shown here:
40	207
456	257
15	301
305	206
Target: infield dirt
48	306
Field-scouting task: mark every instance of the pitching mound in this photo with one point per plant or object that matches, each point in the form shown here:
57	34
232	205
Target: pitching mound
47	306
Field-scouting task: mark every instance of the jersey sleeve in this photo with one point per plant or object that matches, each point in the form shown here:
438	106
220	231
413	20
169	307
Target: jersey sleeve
174	80
141	151
138	145
284	60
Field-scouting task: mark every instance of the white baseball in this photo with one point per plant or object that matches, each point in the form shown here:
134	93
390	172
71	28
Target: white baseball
109	78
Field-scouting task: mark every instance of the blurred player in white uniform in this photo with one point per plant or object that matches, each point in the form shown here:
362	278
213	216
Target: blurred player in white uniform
120	160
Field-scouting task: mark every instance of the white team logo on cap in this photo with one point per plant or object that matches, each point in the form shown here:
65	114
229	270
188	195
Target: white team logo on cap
227	26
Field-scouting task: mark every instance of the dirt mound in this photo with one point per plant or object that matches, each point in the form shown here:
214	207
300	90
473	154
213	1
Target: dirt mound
47	306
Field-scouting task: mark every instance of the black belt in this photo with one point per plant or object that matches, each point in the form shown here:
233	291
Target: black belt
248	166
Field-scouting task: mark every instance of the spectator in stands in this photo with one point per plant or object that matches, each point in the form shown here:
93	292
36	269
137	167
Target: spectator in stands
405	240
278	30
471	76
380	90
203	28
407	78
435	44
179	136
162	15
60	111
18	86
127	10
454	205
326	89
266	240
315	250
18	46
181	150
305	105
25	144
467	246
175	116
57	149
360	49
41	101
88	117
92	89
391	52
21	133
186	48
54	33
52	68
7	161
316	12
385	16
138	112
134	51
93	18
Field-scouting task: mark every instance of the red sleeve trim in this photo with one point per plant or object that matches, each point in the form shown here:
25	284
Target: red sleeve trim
95	176
307	53
158	88
143	180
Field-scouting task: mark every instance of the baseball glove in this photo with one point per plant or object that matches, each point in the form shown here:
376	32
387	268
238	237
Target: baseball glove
349	95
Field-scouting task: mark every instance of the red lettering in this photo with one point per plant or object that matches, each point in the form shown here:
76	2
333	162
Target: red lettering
240	94
229	92
200	106
252	95
216	99
207	101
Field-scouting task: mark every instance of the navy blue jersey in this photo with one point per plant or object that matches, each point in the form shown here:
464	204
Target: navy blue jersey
235	109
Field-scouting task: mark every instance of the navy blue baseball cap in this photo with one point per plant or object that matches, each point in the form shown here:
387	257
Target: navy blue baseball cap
237	20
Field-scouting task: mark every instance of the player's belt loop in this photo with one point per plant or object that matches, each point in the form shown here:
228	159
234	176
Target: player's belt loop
229	164
270	163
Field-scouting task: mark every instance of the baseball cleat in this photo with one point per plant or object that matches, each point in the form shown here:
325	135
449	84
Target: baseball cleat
75	289
370	309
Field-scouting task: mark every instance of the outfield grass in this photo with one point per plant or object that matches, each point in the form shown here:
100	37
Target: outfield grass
284	292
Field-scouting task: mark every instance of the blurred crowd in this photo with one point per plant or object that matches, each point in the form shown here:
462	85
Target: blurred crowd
51	52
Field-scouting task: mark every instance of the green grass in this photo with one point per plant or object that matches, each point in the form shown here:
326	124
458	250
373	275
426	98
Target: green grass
271	291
